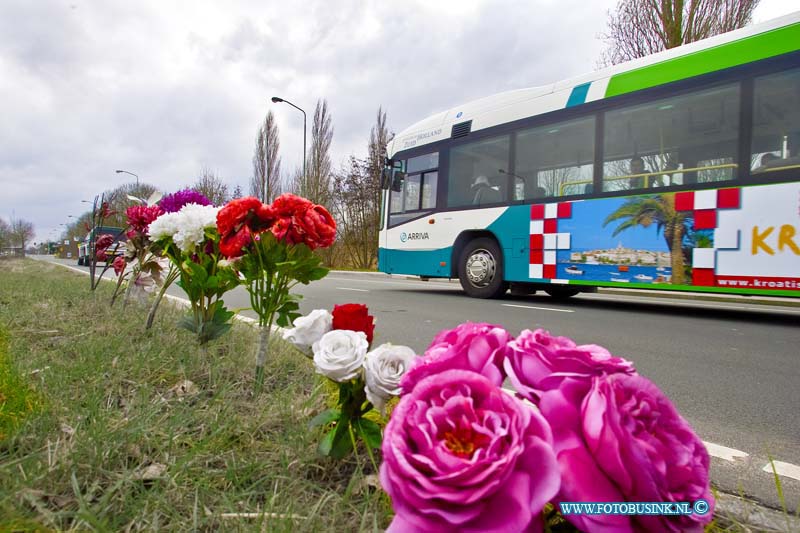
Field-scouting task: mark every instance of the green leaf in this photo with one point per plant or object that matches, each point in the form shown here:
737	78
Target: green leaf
324	418
187	322
369	431
318	273
221	314
341	445
326	444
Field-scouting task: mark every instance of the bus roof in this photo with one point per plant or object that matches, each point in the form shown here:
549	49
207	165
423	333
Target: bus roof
752	43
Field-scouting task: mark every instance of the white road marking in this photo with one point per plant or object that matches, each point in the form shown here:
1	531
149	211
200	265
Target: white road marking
539	308
351	289
721	452
784	469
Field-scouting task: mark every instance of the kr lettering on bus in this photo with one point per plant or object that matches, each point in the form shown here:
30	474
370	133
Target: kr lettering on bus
763	239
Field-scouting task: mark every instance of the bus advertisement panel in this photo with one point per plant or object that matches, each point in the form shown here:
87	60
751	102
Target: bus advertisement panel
734	239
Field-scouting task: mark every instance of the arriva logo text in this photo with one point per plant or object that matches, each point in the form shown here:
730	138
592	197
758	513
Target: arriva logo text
413	236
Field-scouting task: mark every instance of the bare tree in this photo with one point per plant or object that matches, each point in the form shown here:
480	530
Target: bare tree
316	184
379	138
5	234
639	28
21	233
265	183
354	203
357	199
212	187
237	192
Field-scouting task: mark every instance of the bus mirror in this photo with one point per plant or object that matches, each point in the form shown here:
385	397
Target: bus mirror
397	182
386	177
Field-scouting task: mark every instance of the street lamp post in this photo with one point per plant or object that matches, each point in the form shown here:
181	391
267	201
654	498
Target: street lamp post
277	100
131	173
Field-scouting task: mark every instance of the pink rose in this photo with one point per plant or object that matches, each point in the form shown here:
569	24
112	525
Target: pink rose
477	347
623	440
538	361
459	454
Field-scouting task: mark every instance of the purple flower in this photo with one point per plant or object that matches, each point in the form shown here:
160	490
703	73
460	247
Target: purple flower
172	203
459	454
538	361
623	440
477	347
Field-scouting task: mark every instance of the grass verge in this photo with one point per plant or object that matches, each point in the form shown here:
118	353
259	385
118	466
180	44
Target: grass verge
144	430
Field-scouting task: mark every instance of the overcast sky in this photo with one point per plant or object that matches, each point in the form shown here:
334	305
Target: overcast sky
163	89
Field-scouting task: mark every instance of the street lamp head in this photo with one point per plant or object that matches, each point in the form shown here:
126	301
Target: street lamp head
119	171
276	100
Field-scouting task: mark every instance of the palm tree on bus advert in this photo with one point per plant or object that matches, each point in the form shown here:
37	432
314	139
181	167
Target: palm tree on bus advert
646	210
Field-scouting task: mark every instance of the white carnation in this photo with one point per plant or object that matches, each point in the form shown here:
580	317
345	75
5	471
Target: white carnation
164	226
192	223
384	368
309	329
186	227
339	354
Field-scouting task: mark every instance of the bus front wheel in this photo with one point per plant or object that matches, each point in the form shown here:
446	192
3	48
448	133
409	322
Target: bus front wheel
480	269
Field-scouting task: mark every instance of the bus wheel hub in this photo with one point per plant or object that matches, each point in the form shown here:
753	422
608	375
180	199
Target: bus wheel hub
481	268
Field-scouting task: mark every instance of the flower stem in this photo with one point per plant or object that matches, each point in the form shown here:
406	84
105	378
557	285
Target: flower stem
355	447
261	355
171	276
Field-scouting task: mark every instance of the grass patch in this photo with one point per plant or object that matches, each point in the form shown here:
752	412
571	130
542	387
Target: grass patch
133	430
17	398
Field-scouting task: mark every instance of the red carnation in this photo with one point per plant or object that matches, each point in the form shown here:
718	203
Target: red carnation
299	220
119	265
354	317
104	241
140	217
239	221
101	246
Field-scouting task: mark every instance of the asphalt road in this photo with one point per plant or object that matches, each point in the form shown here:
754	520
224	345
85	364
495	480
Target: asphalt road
732	368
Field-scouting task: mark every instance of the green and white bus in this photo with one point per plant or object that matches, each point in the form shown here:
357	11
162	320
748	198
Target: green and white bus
677	171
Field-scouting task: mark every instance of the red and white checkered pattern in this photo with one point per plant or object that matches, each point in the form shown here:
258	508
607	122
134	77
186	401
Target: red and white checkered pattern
704	206
545	238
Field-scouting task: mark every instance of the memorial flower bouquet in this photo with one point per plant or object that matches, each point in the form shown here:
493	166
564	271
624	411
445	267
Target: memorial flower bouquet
146	267
366	377
189	238
581	425
273	249
173	203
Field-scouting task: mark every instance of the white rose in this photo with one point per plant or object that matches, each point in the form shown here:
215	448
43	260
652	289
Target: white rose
385	366
309	329
339	354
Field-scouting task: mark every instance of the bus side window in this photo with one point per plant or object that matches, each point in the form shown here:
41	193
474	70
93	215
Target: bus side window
696	132
556	159
475	165
776	123
519	189
430	183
